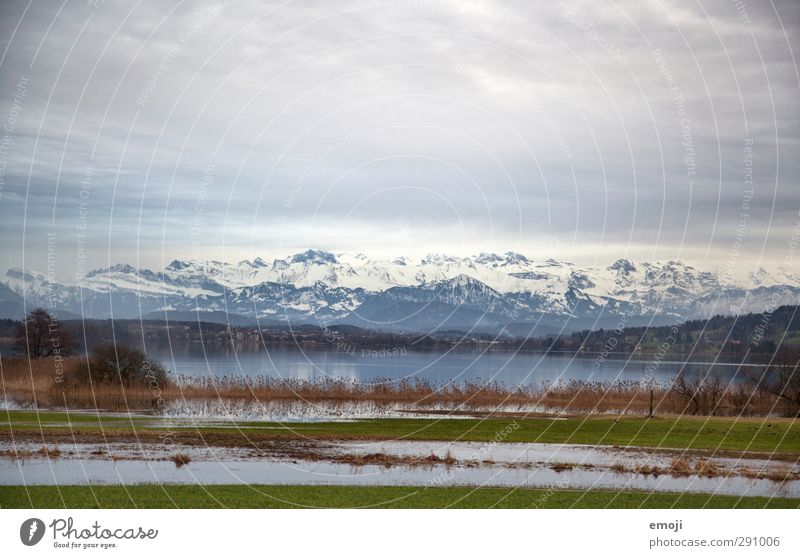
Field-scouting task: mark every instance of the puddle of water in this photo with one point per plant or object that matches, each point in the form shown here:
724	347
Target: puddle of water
515	465
501	453
81	471
533	453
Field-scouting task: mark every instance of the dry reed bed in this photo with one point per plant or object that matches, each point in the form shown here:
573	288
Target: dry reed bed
682	467
47	384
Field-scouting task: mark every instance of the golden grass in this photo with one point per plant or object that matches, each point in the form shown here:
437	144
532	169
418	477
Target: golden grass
680	467
776	473
181	459
707	468
389	460
48	383
45	383
44	451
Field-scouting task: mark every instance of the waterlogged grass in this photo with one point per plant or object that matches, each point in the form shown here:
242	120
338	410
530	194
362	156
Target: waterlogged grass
238	496
783	436
701	433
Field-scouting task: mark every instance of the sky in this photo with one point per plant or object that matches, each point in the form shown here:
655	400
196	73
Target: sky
585	131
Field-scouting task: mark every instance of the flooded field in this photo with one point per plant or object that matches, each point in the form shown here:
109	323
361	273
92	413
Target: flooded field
183	410
427	464
304	411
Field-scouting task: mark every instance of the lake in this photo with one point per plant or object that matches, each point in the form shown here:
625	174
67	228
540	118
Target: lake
521	368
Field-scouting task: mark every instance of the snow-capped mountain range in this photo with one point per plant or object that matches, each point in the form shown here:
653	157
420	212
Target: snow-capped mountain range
488	291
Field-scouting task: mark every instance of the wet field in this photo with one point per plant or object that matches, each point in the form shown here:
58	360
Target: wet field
401	463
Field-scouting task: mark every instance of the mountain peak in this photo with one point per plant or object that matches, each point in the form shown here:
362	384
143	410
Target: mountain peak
116	268
623	266
258	262
313	256
22	274
177	265
488	258
437	259
516	258
462	280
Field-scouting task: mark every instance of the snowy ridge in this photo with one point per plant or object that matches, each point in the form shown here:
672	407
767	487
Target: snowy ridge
490	289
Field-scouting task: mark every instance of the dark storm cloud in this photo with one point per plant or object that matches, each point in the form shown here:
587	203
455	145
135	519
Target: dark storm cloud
581	130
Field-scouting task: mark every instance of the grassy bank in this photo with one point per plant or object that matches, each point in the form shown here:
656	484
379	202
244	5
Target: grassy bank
707	433
238	496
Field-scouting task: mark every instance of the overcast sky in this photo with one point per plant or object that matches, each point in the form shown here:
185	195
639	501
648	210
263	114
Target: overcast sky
586	131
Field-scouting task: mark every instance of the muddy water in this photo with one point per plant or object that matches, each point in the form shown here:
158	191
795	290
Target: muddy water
500	465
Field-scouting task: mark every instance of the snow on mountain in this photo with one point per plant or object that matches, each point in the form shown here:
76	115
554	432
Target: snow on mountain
488	288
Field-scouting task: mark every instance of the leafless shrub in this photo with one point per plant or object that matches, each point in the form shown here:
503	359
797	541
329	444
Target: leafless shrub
782	380
700	393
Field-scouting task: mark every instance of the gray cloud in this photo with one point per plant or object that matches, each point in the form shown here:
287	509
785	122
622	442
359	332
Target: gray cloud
405	127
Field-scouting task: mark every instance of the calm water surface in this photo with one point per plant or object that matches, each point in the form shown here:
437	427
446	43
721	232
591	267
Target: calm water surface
461	366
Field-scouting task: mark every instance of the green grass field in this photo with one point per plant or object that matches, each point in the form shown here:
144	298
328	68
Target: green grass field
700	433
229	496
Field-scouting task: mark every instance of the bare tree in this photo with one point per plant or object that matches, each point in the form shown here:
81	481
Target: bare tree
782	379
41	335
701	393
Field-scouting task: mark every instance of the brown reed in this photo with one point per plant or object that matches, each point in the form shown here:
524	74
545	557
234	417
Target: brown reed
44	383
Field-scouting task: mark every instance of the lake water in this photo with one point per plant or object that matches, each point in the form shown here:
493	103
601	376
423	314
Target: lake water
521	368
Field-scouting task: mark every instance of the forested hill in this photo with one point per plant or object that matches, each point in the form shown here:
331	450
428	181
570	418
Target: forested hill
757	336
761	333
